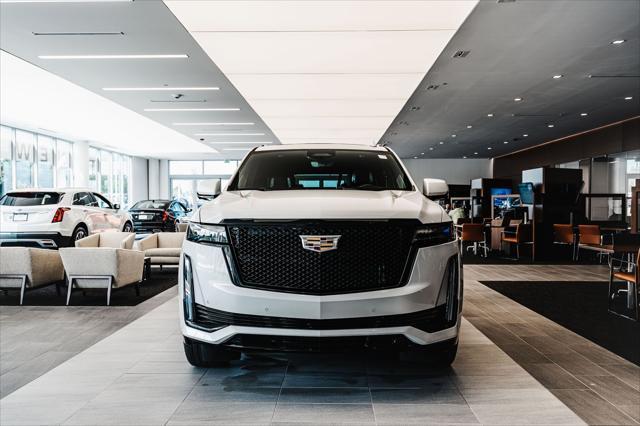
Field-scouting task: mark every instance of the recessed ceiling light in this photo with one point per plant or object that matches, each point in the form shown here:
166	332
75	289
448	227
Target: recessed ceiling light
490	115
583	114
517	99
628	98
557	76
489	148
229	134
180	56
464	156
505	142
239	143
475	153
441	142
453	136
469	126
422	153
415	157
525	135
213	124
157	89
618	41
189	109
431	148
550	125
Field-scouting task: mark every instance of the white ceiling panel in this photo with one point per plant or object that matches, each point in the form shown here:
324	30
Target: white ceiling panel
296	15
322	67
326	86
366	52
327	108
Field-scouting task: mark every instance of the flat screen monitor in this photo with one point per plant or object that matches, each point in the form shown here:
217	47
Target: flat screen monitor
527	195
499	191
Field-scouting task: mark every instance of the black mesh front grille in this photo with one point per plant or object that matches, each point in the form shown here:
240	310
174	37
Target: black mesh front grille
370	256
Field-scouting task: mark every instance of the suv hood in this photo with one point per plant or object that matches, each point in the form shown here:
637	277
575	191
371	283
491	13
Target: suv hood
321	204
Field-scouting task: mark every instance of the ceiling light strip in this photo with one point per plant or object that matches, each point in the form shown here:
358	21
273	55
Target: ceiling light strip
213	124
158	89
189	109
239	143
155	56
229	134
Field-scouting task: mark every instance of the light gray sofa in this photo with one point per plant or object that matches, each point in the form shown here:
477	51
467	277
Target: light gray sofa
103	260
27	268
162	248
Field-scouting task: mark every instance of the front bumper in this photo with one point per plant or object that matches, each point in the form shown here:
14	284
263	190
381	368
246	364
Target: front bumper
214	290
34	239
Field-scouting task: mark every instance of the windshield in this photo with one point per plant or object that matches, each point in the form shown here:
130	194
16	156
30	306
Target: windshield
30	198
151	204
320	169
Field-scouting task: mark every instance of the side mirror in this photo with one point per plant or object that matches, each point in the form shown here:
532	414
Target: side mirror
210	191
116	206
434	187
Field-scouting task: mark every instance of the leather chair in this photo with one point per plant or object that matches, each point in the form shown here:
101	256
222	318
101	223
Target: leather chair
518	237
28	268
563	234
630	273
590	238
474	233
104	260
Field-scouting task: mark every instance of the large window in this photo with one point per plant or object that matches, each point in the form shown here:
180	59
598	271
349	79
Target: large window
24	157
46	157
6	159
189	177
28	160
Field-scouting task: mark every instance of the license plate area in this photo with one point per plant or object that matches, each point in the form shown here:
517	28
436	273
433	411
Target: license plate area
145	217
20	217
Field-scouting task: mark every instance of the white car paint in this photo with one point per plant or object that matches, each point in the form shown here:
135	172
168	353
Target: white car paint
39	228
213	286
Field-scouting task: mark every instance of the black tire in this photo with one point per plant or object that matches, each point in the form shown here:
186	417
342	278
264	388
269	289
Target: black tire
206	355
128	227
78	233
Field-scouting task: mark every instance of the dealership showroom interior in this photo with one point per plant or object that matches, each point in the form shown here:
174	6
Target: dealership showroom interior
296	212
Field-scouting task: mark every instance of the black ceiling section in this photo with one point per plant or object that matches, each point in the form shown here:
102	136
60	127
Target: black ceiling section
514	50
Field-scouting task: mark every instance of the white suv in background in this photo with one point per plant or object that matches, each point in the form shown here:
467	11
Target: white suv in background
320	247
50	218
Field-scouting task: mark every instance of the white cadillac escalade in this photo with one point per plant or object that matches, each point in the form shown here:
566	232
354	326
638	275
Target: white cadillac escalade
320	247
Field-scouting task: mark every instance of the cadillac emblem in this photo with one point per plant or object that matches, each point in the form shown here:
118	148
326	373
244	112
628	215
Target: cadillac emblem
320	243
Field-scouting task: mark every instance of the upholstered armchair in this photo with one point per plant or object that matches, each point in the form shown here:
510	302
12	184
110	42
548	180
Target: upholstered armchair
162	248
103	260
27	268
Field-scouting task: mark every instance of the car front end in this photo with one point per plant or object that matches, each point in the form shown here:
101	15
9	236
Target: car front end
295	270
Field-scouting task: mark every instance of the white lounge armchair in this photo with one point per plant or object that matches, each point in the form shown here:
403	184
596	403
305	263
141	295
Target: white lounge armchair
162	248
103	260
28	268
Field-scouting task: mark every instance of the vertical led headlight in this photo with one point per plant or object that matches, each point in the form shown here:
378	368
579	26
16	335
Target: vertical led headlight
188	296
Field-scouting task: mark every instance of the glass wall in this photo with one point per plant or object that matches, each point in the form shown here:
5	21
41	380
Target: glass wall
187	177
28	160
611	174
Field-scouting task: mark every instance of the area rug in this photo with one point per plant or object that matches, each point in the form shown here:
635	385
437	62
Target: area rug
579	306
126	296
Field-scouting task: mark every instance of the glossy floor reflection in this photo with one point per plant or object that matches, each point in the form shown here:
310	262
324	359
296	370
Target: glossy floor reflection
138	375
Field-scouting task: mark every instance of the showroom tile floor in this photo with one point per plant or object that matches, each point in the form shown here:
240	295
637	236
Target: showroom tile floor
35	339
511	369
